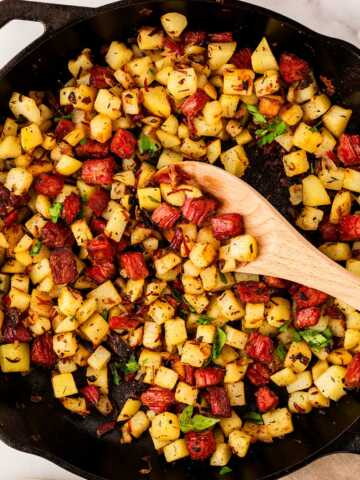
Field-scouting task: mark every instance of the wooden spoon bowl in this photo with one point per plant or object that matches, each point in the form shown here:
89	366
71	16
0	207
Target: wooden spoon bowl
283	251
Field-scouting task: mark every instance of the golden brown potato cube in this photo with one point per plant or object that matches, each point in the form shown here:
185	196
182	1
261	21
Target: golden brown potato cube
175	450
235	338
64	385
317	399
65	344
98	378
185	393
298	356
278	422
100	358
221	456
195	354
206	333
239	442
15	357
131	406
230	424
165	426
234	372
236	393
175	332
95	329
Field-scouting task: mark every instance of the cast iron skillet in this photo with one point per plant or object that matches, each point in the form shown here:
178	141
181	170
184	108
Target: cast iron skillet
45	428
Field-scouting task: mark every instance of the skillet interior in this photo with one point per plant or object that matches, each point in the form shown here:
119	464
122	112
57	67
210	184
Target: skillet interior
45	428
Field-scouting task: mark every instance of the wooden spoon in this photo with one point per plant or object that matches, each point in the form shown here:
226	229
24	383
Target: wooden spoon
283	251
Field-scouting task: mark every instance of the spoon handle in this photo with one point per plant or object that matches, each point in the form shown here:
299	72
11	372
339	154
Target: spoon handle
284	252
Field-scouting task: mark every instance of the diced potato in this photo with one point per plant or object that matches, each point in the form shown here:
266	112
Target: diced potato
220	53
69	301
166	378
319	368
98	378
175	450
262	58
173	23
138	424
298	356
314	193
160	311
108	104
309	218
340	356
328	143
75	405
175	332
18	180
352	180
81	232
338	251
148	358
152	335
197	302
206	333
268	84
235	160
278	311
302	381
243	248
81	97
165	426
67	165
67	324
331	384
100	358
292	115
306	138
227	355
149	198
10	147
336	119
283	377
235	338
238	82
21	105
299	402
101	128
118	55
193	149
130	407
236	393
14	357
117	219
105	295
317	399
231	423
254	315
150	39
234	372
239	442
95	329
195	354
185	393
316	107
341	206
351	339
81	63
231	307
166	263
156	101
295	163
65	344
278	422
64	385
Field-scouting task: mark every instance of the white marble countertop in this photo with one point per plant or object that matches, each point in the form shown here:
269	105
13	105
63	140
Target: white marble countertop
332	17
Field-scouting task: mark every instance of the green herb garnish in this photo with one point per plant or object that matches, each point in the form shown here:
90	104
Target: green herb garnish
281	352
257	116
64	117
204	320
219	342
105	314
115	374
83	141
315	128
225	470
55	211
36	248
317	340
270	132
132	365
196	423
254	417
147	145
223	277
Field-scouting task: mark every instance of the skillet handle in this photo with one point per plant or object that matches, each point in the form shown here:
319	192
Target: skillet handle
52	16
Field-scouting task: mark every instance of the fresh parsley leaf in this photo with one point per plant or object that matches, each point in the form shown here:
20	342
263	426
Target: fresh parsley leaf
83	141
295	335
204	320
327	333
115	374
64	117
132	365
219	342
316	340
196	423
190	307
147	145
257	116
254	417
225	470
223	277
285	327
315	128
281	352
105	314
185	419
36	248
55	211
270	132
